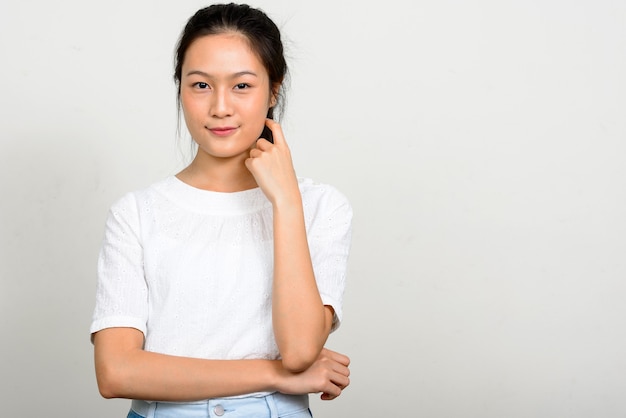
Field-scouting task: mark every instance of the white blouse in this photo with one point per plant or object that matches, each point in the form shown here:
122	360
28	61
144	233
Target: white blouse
192	269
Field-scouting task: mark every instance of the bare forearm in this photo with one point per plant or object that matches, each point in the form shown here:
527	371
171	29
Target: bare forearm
301	324
124	370
185	379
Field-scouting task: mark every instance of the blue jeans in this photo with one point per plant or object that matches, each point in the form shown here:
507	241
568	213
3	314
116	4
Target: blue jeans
275	405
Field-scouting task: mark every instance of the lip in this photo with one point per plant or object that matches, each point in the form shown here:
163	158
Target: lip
222	130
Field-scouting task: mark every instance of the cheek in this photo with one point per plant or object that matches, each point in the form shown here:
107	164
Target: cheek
190	108
260	106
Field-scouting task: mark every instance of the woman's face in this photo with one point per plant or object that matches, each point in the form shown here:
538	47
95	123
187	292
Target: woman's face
225	95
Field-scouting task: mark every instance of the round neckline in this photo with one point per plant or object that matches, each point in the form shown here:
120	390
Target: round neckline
209	201
176	179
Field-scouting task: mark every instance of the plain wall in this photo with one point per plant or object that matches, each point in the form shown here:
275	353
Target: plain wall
482	145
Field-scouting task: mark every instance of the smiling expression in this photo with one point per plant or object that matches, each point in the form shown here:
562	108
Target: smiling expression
225	95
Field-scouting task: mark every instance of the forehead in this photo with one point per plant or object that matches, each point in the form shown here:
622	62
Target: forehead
222	53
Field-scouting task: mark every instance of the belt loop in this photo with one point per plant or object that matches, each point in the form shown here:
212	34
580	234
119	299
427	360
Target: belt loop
152	409
271	404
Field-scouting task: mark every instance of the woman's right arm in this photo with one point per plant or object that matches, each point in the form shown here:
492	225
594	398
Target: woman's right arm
125	370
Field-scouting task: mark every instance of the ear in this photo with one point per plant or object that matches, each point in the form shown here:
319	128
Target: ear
274	94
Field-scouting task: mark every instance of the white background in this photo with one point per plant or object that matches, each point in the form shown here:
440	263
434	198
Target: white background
482	145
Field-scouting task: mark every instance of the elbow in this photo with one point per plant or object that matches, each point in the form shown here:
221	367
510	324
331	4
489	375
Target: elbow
299	361
115	360
110	382
106	392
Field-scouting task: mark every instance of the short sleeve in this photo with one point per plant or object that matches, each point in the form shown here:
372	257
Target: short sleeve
121	293
329	236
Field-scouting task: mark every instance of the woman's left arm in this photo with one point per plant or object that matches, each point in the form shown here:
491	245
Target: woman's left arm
301	321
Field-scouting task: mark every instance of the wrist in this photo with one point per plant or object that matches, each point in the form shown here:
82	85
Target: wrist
276	376
288	203
287	194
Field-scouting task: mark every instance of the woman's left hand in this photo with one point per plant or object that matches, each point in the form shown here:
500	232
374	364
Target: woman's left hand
272	167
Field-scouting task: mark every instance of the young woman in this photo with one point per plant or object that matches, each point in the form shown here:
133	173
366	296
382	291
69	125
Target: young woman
218	287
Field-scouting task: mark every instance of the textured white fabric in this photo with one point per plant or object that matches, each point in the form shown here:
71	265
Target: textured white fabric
192	269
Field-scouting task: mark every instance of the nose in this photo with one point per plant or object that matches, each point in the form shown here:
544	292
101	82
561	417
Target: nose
221	104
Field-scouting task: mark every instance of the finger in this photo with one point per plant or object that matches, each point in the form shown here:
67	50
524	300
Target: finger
330	393
277	131
262	144
327	397
342	370
248	163
334	386
339	358
254	153
341	381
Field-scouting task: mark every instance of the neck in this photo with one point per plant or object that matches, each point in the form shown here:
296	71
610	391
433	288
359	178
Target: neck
218	174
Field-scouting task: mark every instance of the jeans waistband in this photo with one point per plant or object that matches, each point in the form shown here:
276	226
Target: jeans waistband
277	404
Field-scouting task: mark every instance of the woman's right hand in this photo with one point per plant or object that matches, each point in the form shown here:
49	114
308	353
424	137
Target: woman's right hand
329	374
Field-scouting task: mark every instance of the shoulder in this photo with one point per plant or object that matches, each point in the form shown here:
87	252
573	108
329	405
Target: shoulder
135	201
321	197
312	190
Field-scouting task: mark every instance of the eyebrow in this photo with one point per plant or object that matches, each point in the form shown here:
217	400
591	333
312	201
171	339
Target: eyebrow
234	75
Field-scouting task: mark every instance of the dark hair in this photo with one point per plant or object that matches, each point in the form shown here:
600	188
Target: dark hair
260	31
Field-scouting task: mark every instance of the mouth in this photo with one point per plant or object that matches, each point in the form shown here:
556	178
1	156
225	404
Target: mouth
222	130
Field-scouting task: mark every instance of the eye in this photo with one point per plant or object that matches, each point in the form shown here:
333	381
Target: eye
242	86
201	85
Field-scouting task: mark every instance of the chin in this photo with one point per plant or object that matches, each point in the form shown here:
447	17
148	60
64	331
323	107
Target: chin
225	152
